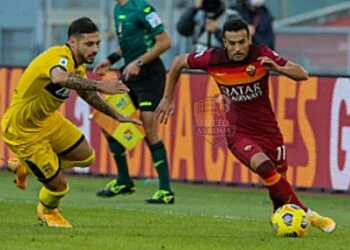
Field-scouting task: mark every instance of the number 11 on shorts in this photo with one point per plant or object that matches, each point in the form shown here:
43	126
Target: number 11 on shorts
281	153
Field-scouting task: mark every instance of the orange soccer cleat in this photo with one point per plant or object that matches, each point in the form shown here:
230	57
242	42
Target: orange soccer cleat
51	218
20	172
325	224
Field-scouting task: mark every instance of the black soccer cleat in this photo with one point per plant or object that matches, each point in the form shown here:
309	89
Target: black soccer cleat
114	188
162	197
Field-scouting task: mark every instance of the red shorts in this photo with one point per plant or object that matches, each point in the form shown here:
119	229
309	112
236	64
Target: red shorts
244	147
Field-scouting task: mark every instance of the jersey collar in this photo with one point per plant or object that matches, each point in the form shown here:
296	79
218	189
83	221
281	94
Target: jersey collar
75	62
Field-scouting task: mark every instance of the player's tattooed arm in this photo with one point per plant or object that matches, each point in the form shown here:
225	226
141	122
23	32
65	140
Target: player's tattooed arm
71	80
74	81
95	100
77	82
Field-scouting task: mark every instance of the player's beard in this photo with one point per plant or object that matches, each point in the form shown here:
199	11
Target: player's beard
86	58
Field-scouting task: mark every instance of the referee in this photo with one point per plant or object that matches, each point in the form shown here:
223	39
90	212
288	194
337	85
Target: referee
142	39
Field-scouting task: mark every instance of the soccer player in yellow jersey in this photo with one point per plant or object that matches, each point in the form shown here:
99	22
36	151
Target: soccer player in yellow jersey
42	139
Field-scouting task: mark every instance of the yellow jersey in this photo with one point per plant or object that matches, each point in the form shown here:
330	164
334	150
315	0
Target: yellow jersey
36	98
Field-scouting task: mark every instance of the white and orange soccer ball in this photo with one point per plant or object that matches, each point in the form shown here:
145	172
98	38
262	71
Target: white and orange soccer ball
289	221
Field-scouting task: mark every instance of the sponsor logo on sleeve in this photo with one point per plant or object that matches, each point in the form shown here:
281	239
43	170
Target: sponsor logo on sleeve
153	19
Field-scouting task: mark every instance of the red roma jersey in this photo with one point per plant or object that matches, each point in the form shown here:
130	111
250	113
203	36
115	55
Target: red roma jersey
244	86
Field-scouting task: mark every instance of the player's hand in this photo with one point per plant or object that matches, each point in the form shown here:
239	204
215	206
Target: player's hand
132	69
112	86
102	67
269	64
125	118
165	109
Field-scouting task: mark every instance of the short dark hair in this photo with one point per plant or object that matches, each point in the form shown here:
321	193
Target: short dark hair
83	25
235	24
211	5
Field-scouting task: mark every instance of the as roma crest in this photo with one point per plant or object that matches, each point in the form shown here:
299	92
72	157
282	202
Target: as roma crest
250	70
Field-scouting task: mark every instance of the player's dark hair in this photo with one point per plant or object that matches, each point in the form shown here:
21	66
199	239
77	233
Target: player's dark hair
235	24
211	5
83	25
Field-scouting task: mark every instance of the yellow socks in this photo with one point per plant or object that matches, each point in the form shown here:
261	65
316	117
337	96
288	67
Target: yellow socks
50	199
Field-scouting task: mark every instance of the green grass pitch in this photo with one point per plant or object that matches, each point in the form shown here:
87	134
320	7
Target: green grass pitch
204	217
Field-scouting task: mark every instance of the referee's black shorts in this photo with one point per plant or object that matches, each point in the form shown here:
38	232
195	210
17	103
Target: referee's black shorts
146	89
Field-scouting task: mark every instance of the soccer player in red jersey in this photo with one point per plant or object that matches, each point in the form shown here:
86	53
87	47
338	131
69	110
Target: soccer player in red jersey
241	71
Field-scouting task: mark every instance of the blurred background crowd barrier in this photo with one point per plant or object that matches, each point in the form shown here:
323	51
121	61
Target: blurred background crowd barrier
313	116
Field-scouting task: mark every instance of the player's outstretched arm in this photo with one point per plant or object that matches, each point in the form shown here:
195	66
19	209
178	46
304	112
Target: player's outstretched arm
74	81
294	71
95	100
166	106
290	69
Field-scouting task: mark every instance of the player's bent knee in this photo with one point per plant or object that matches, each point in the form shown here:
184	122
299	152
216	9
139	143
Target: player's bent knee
65	164
88	161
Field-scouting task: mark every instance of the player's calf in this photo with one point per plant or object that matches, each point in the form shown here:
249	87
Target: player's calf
279	188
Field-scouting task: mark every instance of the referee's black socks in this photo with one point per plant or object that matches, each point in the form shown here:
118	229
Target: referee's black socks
119	156
160	162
